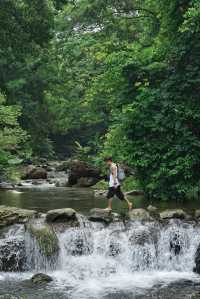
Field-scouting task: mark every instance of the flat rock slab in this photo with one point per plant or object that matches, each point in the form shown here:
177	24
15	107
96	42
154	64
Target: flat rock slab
139	215
12	215
61	215
175	213
102	215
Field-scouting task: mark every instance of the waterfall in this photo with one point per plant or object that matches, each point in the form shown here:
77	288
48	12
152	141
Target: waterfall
98	251
95	250
95	260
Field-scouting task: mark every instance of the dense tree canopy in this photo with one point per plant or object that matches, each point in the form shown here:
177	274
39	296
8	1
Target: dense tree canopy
111	77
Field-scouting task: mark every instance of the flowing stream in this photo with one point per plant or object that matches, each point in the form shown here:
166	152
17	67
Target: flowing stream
123	260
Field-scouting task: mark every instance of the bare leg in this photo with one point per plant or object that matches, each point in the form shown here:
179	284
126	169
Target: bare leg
130	205
109	204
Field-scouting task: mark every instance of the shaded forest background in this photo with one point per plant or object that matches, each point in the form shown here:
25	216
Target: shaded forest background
91	78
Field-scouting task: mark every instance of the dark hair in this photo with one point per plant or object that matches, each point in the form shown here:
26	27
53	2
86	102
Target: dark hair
108	159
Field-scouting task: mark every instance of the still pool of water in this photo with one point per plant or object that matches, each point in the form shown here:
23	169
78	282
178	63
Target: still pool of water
82	200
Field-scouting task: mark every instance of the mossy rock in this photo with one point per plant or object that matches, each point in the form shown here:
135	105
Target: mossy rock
41	278
46	238
12	215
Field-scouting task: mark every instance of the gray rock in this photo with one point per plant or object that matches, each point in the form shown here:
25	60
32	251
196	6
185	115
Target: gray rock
12	254
41	278
197	214
86	181
34	172
6	186
102	215
12	215
139	214
152	209
61	215
140	237
197	260
175	213
78	170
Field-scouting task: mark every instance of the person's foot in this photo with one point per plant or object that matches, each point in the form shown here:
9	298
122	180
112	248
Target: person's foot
130	206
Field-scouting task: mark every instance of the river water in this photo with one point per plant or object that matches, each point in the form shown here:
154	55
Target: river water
122	261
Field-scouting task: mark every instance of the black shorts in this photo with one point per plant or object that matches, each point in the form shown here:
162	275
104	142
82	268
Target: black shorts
115	191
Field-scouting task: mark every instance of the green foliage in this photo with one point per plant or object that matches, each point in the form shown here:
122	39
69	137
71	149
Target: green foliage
12	137
158	132
92	78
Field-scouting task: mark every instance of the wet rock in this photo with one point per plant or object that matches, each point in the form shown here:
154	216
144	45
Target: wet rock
114	248
197	260
61	215
139	214
46	239
140	237
86	181
197	214
152	209
176	244
34	172
12	215
176	213
41	278
80	245
78	170
6	186
12	253
102	215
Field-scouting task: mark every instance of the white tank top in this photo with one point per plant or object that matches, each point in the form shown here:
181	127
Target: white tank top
112	181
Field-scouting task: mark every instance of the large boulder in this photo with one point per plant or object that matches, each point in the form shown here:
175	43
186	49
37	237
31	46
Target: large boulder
34	172
139	215
86	181
62	215
102	215
174	213
46	239
79	169
41	278
12	215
